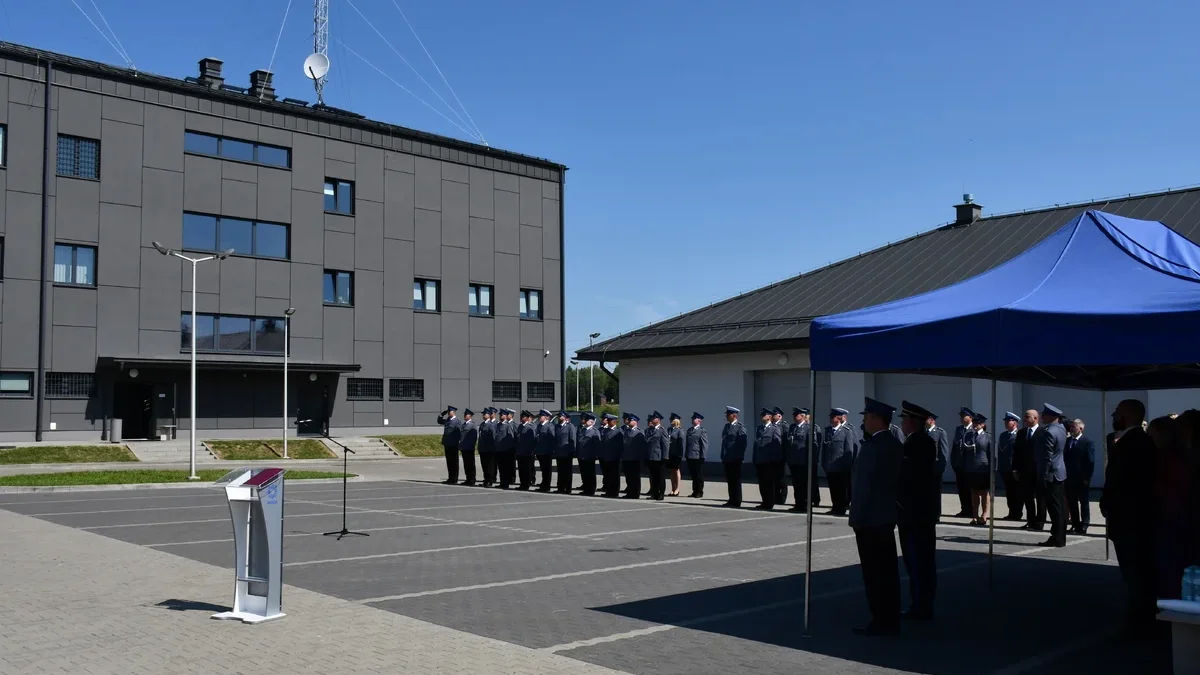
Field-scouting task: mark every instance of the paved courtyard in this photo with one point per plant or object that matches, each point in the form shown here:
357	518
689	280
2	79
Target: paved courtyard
456	579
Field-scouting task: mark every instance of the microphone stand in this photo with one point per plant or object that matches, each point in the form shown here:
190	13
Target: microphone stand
346	452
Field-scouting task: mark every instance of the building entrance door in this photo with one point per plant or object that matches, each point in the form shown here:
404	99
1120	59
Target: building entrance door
133	405
312	414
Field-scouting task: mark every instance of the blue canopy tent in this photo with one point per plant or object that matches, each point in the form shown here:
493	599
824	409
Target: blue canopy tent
1106	302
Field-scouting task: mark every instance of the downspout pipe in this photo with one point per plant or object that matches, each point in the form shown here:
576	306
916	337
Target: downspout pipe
47	142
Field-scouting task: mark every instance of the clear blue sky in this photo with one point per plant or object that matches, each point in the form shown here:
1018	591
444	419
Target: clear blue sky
716	146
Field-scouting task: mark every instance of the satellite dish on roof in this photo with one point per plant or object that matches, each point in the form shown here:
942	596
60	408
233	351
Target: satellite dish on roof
316	66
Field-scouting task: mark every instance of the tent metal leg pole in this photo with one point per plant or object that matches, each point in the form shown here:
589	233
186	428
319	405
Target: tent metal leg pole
812	432
1104	435
991	495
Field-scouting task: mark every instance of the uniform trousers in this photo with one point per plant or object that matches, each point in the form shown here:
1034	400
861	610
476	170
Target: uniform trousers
587	475
1054	502
1035	507
1012	494
658	480
468	460
918	545
611	469
881	573
566	474
963	485
781	484
525	470
451	463
1079	502
632	468
506	466
696	473
545	467
801	475
769	479
487	460
839	489
733	480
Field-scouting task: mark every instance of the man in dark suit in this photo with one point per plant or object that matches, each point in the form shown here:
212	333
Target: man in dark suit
451	435
733	453
1080	458
917	513
804	470
1128	508
958	458
1025	471
873	516
768	453
1005	444
1049	444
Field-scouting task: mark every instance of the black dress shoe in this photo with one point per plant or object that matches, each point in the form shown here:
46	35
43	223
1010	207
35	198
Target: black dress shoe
1050	543
963	514
873	629
449	482
1013	516
916	615
798	509
469	483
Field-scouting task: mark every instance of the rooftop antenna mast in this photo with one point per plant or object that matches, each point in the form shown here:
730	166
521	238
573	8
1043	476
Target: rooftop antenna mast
316	66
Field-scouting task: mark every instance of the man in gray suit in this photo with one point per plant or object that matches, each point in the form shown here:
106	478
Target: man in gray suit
875	479
1049	443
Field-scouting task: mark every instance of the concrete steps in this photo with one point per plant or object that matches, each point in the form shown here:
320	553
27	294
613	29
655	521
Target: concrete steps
168	451
364	448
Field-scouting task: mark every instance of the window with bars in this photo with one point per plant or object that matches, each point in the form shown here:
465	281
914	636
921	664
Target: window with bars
74	265
531	304
540	391
78	157
364	389
16	385
506	391
406	390
70	385
231	148
479	299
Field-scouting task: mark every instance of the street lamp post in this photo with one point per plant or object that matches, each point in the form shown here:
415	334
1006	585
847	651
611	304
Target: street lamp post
575	365
592	375
194	261
287	317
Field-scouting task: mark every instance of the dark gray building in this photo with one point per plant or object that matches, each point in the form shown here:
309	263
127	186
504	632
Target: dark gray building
424	271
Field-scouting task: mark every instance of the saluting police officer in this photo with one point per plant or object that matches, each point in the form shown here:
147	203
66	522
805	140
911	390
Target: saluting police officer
565	438
466	445
733	453
632	453
918	510
940	437
451	435
526	449
695	451
658	448
587	451
838	450
875	474
614	448
768	453
487	447
544	450
797	458
506	448
675	457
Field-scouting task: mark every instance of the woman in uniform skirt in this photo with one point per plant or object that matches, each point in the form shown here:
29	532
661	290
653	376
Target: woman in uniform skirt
675	455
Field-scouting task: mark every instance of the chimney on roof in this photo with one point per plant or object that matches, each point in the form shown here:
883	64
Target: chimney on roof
210	73
260	85
968	211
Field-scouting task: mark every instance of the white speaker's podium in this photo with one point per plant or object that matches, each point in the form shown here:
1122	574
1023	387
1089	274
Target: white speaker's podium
256	508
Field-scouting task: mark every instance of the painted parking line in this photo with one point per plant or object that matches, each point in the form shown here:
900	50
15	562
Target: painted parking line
733	614
301	489
602	570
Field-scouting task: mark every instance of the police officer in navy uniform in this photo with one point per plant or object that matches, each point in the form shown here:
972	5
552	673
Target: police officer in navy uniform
658	448
632	453
1049	444
565	439
587	452
917	514
781	484
939	436
796	457
451	435
544	450
468	435
1080	458
1005	443
768	454
958	454
487	447
695	451
837	458
733	452
873	516
527	440
506	448
675	456
614	448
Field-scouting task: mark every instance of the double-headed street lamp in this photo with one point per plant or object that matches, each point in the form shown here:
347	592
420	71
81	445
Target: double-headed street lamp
195	261
287	317
592	373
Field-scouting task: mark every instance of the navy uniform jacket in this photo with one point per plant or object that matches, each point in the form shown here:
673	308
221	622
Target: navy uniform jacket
564	441
876	475
696	446
658	444
526	439
487	437
768	444
451	431
938	435
468	436
958	453
1049	443
796	447
546	439
838	448
1004	450
733	442
977	449
614	445
589	443
506	436
676	434
917	503
633	447
1080	458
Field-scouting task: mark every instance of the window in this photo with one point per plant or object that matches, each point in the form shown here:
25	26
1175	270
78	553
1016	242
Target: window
69	385
406	390
223	333
16	385
3	145
231	148
78	157
479	300
339	196
506	391
245	237
531	304
425	295
540	391
339	288
74	265
364	389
